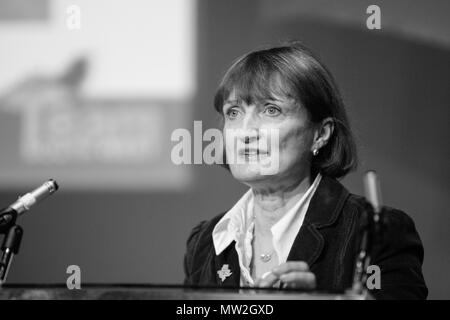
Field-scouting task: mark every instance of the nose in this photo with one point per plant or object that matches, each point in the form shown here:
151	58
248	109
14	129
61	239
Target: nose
250	129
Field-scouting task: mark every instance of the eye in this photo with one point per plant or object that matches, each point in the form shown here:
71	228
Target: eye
272	111
232	113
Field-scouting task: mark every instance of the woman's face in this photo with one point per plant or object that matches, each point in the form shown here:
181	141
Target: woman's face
251	134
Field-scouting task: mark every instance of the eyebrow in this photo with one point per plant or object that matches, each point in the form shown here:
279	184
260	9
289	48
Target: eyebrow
238	101
232	101
274	99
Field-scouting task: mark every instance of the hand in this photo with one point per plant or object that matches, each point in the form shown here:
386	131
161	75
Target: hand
292	274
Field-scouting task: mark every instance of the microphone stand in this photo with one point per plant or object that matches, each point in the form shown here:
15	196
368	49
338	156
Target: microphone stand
11	241
369	234
13	232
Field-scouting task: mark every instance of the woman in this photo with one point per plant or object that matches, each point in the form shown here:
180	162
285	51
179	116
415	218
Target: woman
297	226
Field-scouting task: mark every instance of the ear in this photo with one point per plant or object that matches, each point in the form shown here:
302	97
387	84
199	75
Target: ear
323	133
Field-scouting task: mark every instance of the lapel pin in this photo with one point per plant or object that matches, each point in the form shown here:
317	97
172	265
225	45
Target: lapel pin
224	272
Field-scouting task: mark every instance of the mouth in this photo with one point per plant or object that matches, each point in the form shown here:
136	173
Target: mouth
252	152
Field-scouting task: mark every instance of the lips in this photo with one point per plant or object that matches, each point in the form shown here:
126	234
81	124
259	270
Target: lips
252	152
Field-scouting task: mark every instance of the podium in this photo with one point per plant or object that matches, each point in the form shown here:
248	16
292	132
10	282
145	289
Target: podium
157	292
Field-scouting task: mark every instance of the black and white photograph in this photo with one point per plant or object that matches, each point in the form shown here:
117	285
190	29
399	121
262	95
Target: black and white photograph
218	152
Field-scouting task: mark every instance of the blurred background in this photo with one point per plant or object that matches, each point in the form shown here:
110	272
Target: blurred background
90	92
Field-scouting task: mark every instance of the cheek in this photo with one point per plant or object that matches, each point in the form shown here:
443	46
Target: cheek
229	140
230	131
294	143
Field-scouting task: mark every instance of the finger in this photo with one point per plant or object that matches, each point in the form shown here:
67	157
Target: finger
290	266
267	280
299	280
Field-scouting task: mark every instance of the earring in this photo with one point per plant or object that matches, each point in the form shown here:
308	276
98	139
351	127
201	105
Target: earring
315	152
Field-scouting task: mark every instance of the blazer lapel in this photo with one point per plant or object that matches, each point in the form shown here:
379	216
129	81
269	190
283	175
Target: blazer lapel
324	209
307	245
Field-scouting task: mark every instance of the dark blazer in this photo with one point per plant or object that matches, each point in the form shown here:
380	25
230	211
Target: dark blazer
328	242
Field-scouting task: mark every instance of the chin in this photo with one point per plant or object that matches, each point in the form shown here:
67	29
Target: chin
248	173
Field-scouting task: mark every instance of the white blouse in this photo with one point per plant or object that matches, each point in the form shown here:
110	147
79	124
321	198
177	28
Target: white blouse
238	224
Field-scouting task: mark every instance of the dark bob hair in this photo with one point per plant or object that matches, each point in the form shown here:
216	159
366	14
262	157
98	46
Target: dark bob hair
255	77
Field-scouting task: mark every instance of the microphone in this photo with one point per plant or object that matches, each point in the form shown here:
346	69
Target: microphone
28	200
372	190
373	195
9	214
370	229
13	233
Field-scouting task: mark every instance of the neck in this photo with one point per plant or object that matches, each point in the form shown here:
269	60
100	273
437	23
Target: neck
272	202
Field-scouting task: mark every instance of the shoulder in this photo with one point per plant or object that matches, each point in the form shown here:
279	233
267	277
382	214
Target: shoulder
395	232
203	231
392	217
199	243
398	252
